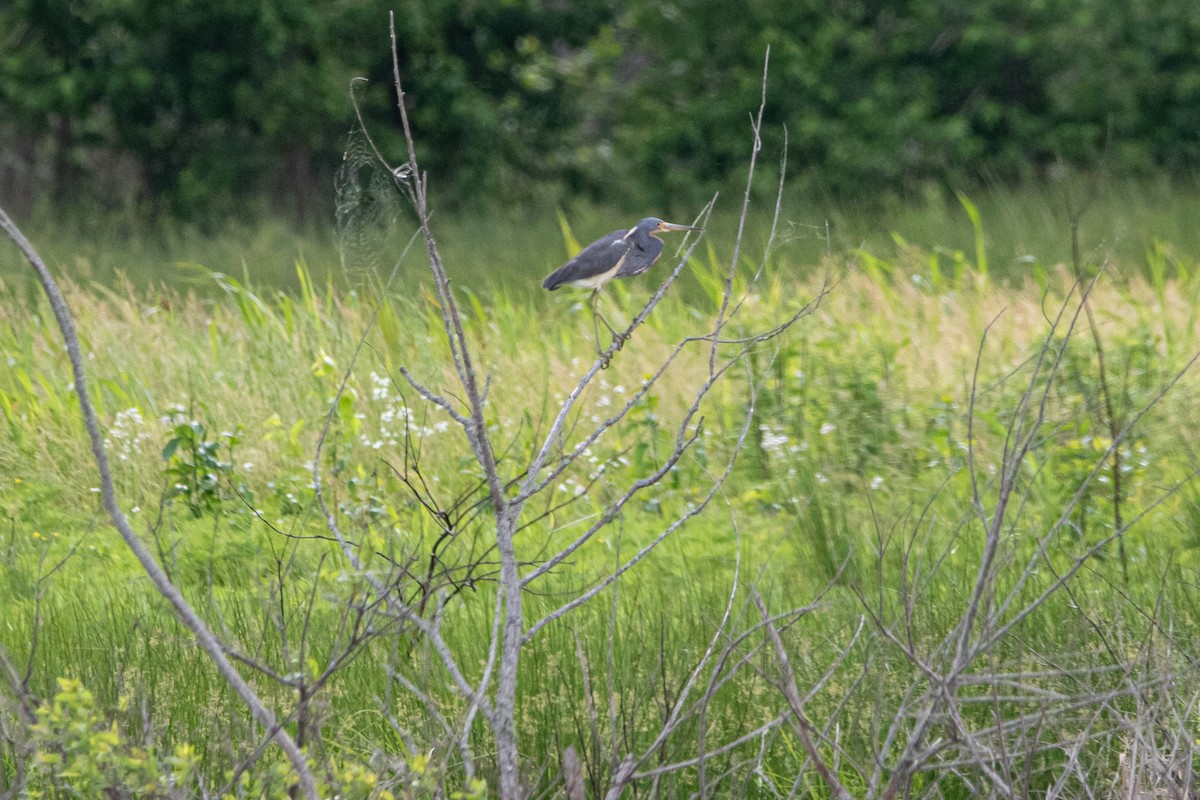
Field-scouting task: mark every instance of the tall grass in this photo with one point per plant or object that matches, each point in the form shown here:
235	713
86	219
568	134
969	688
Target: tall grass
511	248
213	398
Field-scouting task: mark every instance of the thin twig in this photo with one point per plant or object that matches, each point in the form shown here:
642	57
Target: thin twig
187	615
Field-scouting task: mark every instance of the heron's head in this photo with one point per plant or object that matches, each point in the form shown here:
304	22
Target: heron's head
655	226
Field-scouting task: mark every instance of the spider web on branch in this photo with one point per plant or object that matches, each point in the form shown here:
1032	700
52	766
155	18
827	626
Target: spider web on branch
368	204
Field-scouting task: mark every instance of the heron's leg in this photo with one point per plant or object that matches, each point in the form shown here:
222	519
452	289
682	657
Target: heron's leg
604	357
595	324
618	338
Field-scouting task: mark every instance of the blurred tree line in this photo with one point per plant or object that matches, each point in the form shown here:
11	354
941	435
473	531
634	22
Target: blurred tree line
209	107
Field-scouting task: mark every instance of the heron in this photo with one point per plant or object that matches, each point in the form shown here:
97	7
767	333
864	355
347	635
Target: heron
620	254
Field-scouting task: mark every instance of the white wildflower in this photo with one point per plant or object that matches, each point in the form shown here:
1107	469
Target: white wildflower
772	441
379	387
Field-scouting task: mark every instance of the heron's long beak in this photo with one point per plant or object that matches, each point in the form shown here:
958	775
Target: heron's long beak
670	226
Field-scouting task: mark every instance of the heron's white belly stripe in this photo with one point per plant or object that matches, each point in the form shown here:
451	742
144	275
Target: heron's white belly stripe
596	281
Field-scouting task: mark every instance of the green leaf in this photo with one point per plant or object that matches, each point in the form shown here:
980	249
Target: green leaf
981	262
569	239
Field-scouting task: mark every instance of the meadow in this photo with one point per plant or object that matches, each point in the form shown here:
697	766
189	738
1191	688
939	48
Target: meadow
955	553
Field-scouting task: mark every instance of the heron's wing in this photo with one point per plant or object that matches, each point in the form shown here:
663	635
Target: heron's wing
597	258
641	259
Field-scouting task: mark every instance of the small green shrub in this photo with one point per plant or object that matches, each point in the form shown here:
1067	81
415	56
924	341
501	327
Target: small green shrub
77	752
194	464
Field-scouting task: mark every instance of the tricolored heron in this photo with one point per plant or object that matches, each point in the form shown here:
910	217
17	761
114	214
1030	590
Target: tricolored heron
621	254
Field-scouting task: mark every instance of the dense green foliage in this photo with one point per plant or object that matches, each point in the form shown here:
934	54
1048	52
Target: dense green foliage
206	107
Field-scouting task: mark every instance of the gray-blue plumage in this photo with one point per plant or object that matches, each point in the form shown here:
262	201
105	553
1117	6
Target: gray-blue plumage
620	254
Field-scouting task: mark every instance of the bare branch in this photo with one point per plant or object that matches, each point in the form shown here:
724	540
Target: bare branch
801	724
187	615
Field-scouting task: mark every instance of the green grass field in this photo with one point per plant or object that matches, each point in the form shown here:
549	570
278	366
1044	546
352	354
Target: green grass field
856	484
1133	222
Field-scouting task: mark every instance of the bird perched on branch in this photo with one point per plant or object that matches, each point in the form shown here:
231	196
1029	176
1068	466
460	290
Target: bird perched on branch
621	254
